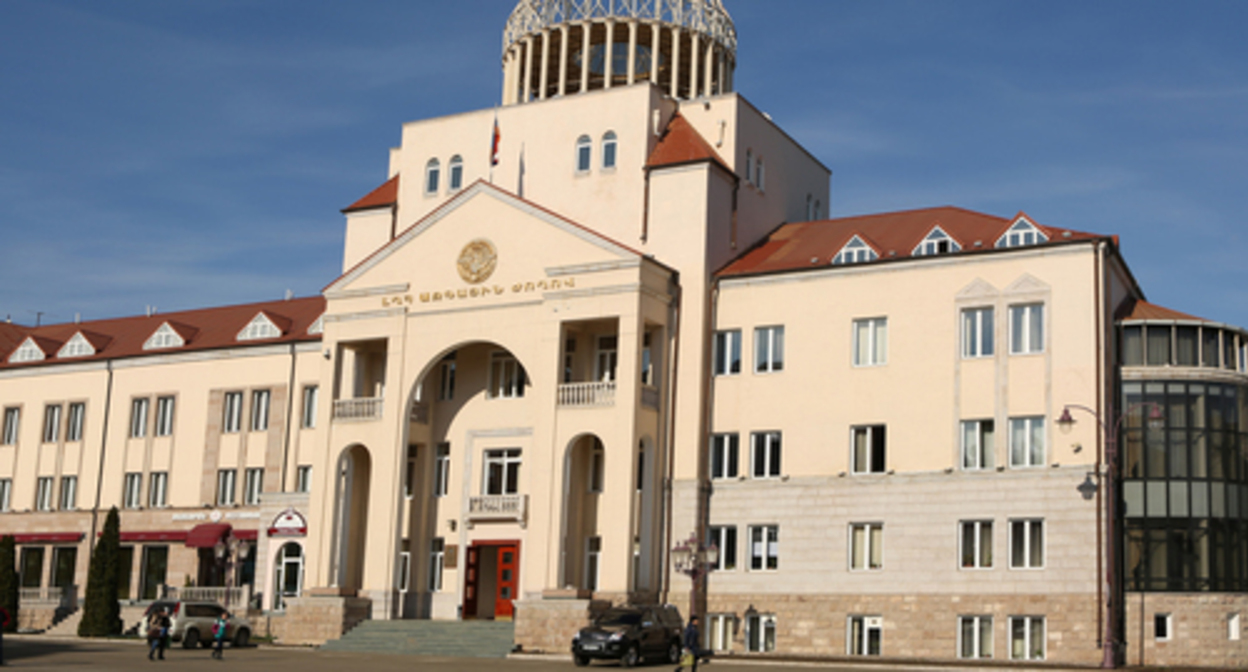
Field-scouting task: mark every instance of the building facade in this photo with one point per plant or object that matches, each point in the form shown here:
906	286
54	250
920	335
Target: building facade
611	314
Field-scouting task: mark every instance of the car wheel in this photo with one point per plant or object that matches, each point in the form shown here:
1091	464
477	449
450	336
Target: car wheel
190	639
579	660
673	653
631	657
242	639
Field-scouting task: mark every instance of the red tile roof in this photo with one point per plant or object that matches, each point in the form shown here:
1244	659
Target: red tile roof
204	329
893	235
1143	310
383	196
11	336
681	144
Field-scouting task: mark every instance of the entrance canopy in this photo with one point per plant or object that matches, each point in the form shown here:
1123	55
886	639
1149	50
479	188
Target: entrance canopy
207	535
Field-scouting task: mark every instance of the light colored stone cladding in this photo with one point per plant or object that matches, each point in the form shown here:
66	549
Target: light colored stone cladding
316	619
548	624
1201	634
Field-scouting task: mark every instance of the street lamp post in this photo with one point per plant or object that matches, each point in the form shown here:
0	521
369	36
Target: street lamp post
230	551
694	559
1109	643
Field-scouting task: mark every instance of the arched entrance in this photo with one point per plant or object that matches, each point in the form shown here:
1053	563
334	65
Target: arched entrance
583	484
351	517
288	578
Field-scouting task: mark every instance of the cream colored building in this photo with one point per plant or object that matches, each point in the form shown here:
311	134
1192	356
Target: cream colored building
627	320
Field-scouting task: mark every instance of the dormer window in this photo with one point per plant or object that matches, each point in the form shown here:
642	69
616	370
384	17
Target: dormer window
318	327
78	346
1022	233
936	242
433	171
165	337
260	327
456	173
855	252
27	352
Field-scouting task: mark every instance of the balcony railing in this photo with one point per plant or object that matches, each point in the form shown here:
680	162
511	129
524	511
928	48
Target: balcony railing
587	394
498	507
230	598
650	397
64	596
356	410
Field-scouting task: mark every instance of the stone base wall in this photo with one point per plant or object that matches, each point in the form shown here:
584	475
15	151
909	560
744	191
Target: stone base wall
35	617
1201	630
314	620
547	625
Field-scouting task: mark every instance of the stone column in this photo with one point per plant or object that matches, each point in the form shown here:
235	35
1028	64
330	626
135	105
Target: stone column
544	78
564	32
675	88
608	56
632	52
709	81
694	43
526	89
585	30
656	41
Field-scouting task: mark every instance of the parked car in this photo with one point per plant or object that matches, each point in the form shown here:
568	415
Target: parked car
631	635
191	623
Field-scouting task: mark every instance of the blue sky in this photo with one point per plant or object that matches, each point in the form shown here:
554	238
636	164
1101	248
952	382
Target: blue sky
196	153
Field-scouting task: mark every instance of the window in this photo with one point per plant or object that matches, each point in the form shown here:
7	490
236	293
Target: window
502	472
77	346
1021	233
507	377
437	560
606	358
593	549
608	150
1209	345
138	418
303	478
69	493
308	420
164	416
442	470
253	485
446	382
1027	329
73	428
233	418
1027	637
1163	625
12	417
1027	544
158	489
749	166
43	494
764	547
52	423
936	242
765	454
1027	442
409	474
260	410
1233	629
164	337
974	636
864	635
584	148
719	631
405	565
727	352
456	176
433	171
977	331
594	477
871	342
760	174
976	542
725	538
225	486
133	497
6	493
760	633
854	252
768	349
724	456
978	444
866	546
260	327
28	352
868	449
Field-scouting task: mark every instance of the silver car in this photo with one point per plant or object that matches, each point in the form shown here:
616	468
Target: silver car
191	623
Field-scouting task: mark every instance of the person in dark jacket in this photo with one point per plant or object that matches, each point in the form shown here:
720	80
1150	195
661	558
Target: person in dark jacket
693	643
158	634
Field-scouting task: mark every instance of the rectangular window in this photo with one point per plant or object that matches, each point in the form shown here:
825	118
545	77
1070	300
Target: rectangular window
1208	348
225	486
232	421
978	444
764	547
1163	627
1027	544
765	454
1233	630
164	416
11	418
69	493
73	427
133	495
977	332
409	473
768	349
974	636
260	410
725	539
760	633
727	352
864	635
253	485
442	470
866	546
871	342
43	494
1027	329
308	419
502	472
158	489
724	455
1027	637
405	566
719	631
446	382
303	478
593	549
596	466
605	358
1027	442
868	449
138	418
507	377
437	560
975	539
1186	346
52	423
6	493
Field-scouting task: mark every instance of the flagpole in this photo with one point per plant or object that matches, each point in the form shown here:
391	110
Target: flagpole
494	139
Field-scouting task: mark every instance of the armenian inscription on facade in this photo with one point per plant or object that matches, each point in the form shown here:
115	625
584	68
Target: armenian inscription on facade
476	263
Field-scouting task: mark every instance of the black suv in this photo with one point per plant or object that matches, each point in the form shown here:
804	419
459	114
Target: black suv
631	634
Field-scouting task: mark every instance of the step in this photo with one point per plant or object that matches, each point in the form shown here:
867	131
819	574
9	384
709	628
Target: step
480	639
66	627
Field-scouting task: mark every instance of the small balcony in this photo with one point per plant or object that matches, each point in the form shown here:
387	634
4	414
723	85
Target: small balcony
498	507
587	395
358	410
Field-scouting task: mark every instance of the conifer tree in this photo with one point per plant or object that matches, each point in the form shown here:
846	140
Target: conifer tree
8	580
101	613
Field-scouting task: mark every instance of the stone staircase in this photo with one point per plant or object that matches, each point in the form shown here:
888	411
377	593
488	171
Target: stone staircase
131	619
472	639
67	625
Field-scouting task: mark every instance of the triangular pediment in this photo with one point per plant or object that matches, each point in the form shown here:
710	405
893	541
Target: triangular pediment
978	289
1027	284
260	327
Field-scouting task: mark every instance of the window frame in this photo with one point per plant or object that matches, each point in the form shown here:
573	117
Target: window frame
982	455
442	469
876	353
1028	622
166	407
232	412
609	147
930	245
725	455
140	409
1033	427
866	624
158	489
311	398
68	499
978	332
509	461
253	485
769	358
261	400
1021	336
981	551
437	563
303	478
727	352
132	490
769	559
52	423
43	493
870	532
583	158
12	425
1167	619
506	382
6	494
725	538
767	445
227	480
455	174
977	623
75	420
1026	561
870	445
756	628
433	176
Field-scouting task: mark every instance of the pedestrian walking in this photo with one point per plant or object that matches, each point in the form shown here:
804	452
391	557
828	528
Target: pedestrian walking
218	633
693	647
158	634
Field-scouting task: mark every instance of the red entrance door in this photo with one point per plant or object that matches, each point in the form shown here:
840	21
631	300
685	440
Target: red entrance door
470	582
508	561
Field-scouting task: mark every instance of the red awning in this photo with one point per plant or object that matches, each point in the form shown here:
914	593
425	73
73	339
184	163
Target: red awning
206	535
155	535
247	535
47	537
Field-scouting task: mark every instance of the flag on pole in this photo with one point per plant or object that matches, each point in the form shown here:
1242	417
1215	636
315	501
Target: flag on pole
494	147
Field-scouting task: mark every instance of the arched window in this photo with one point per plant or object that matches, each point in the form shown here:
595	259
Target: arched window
456	169
608	149
432	171
288	581
584	147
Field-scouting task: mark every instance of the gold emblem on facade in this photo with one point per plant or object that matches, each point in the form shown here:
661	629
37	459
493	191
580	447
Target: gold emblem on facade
477	261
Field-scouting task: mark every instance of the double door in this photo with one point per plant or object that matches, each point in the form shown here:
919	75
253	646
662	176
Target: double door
491	579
